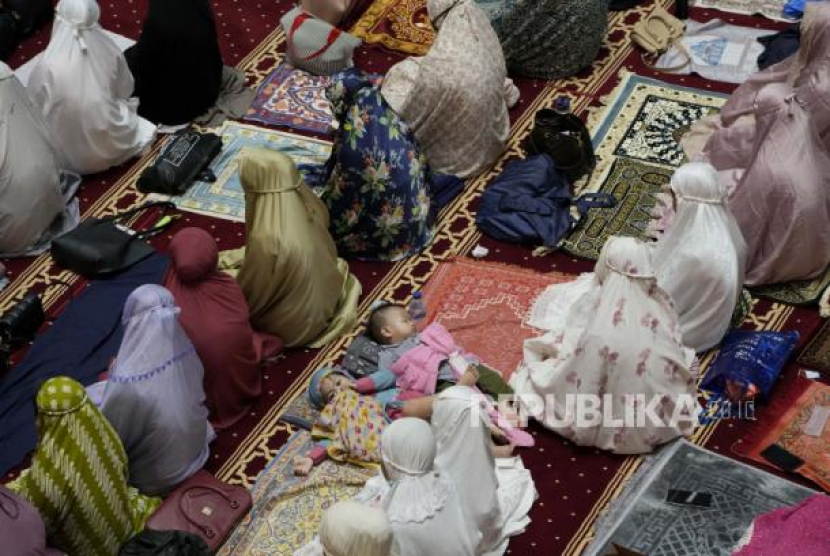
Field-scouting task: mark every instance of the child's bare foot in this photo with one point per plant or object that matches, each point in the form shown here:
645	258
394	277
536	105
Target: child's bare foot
469	378
302	466
505	451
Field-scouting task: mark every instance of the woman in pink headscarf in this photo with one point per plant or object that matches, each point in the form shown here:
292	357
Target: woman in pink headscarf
214	315
771	147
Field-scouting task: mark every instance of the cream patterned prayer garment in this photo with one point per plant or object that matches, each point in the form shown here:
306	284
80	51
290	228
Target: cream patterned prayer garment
455	98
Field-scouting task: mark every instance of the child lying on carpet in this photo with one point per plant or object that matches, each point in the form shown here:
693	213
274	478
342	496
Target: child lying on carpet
416	364
350	423
410	368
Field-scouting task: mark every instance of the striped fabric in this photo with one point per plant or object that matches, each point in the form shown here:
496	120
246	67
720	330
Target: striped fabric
315	46
78	476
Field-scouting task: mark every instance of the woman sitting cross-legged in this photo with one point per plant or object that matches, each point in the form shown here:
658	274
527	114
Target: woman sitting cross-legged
770	144
83	86
495	498
700	259
295	285
420	503
78	477
548	39
613	344
215	317
380	191
351	529
34	192
154	396
455	98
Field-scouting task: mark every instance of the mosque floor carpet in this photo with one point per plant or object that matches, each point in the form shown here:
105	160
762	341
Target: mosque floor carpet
575	484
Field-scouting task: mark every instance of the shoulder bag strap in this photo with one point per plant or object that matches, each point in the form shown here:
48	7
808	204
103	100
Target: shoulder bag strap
677	43
165	205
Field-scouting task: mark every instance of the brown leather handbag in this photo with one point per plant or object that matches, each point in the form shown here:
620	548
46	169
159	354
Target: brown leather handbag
205	506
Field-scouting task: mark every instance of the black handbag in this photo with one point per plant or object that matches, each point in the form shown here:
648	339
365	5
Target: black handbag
184	158
565	138
20	324
102	246
165	543
32	14
9	32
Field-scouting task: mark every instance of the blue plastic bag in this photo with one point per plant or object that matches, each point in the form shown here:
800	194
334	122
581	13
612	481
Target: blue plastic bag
750	360
795	8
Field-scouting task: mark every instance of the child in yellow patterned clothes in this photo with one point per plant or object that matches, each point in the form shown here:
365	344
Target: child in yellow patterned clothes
350	423
349	426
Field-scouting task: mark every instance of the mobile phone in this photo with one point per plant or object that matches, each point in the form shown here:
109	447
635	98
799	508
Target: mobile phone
780	457
689	498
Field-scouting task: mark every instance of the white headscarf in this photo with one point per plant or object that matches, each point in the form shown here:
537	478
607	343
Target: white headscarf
496	499
155	397
352	529
423	506
30	192
83	86
620	339
700	260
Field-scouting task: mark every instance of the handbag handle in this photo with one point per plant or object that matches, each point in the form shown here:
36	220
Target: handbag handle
206	529
677	43
563	167
334	34
146	233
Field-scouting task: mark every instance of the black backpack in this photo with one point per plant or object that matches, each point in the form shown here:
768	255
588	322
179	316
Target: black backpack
31	14
9	32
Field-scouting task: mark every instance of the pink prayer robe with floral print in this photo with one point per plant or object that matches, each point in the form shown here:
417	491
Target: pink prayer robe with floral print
614	340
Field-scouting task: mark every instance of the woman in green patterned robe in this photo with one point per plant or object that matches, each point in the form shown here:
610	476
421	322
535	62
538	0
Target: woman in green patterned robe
78	476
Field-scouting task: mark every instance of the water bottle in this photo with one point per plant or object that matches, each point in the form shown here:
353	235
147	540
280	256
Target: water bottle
562	105
417	308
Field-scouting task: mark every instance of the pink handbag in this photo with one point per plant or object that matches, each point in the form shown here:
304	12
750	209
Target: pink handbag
205	506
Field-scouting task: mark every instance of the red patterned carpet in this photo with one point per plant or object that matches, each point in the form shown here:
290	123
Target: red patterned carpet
574	483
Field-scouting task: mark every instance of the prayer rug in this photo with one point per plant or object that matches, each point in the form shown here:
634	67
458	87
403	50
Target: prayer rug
642	521
802	292
637	142
224	198
801	427
816	356
293	98
300	413
634	184
401	25
287	509
480	303
773	9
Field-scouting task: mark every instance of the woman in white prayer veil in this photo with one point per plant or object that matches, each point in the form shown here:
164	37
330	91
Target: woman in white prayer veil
83	86
700	260
422	504
612	337
351	529
495	494
32	207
